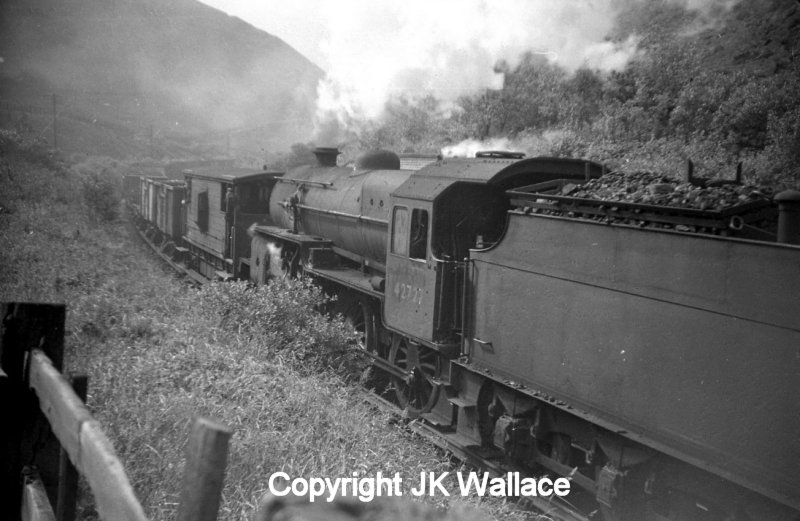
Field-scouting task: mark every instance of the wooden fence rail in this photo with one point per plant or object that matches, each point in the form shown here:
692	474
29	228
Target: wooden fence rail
83	439
50	429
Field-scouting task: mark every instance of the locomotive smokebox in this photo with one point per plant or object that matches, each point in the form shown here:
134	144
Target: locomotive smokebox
326	156
788	216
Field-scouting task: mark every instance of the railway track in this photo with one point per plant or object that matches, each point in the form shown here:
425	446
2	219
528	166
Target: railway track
191	275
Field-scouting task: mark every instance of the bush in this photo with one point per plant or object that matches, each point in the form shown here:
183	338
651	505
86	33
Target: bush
283	319
33	150
101	183
100	196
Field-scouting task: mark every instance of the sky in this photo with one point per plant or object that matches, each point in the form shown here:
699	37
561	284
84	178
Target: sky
297	23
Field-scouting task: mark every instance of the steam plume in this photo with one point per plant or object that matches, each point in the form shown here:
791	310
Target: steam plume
448	48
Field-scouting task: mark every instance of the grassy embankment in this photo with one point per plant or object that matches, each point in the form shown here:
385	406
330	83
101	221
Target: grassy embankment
158	352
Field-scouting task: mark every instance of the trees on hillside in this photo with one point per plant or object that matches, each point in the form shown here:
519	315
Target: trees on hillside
683	94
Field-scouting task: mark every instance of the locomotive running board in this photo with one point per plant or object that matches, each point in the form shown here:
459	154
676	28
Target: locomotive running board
348	277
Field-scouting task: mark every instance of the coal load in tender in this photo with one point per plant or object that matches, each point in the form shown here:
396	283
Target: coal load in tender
655	200
657	189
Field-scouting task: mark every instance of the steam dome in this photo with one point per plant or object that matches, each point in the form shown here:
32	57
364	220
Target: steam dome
378	160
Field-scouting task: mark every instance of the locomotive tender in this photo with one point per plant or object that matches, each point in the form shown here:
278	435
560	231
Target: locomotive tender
658	369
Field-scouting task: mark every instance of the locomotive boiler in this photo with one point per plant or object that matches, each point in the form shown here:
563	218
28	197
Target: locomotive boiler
348	205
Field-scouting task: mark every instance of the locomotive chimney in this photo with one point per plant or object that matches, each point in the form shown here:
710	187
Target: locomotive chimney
788	216
326	156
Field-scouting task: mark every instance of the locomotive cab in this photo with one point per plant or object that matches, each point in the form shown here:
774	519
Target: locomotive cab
468	216
429	243
411	270
437	216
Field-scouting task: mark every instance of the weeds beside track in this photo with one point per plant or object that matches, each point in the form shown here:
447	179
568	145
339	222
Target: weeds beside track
157	356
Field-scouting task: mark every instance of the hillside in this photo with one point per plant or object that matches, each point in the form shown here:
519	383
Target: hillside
717	86
150	78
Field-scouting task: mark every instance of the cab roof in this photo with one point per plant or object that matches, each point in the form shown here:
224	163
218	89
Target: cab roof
231	174
431	181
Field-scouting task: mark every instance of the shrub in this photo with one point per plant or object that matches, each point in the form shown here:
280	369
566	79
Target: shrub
283	319
34	150
100	196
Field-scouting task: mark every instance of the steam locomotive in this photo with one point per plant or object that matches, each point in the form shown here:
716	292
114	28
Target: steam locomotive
658	369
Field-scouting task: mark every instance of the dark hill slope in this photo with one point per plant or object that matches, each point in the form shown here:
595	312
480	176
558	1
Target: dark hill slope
156	67
762	37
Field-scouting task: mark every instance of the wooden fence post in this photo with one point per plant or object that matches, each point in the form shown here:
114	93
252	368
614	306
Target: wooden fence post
35	505
204	473
67	473
26	437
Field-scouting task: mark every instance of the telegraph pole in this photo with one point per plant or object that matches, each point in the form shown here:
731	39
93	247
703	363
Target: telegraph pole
55	134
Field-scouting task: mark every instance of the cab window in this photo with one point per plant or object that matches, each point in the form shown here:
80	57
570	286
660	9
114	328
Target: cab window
418	248
400	230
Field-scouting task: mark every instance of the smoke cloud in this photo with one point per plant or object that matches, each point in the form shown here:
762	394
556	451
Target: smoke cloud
448	48
469	147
